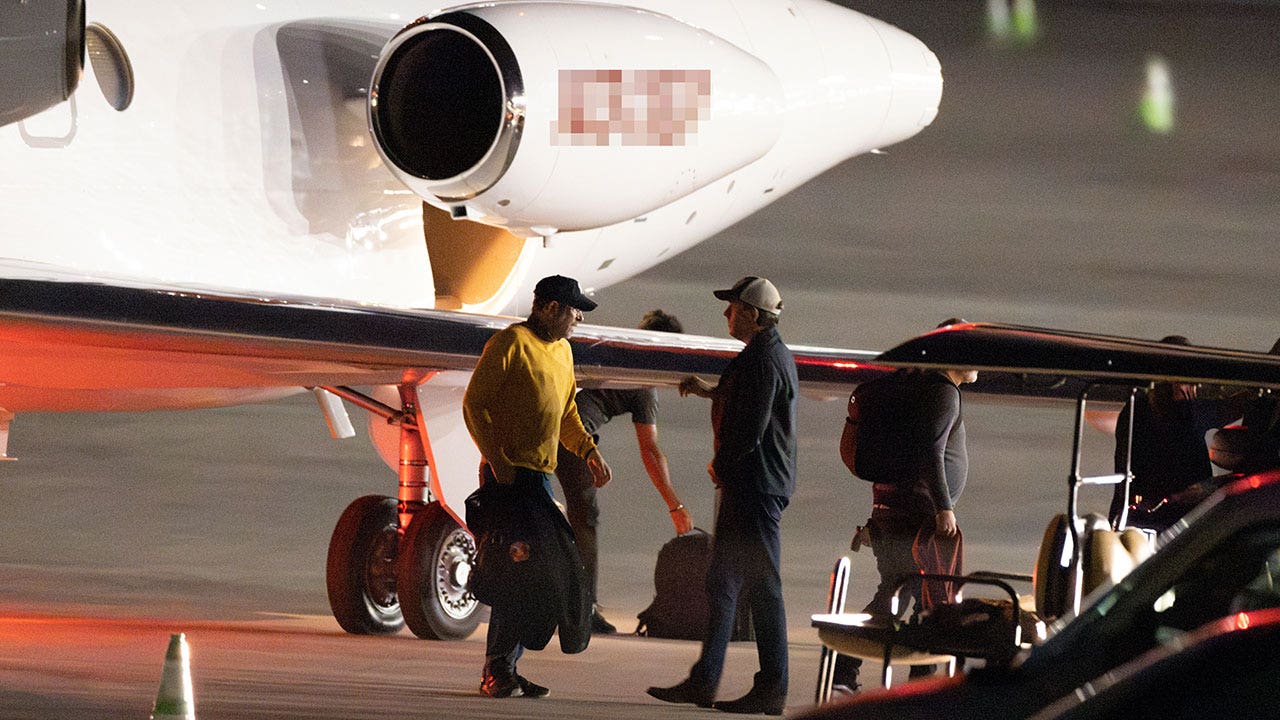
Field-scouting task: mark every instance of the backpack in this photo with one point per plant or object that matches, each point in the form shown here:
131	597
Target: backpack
680	609
889	435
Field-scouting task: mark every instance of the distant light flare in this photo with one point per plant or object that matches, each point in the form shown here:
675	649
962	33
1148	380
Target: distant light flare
998	18
1025	25
1156	108
1014	20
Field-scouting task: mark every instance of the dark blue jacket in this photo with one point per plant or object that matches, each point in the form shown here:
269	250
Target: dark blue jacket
754	415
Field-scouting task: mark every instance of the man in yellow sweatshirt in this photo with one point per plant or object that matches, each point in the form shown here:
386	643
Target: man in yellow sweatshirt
519	407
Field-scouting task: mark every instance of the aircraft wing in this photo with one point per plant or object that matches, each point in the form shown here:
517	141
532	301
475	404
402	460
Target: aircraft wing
1039	362
67	343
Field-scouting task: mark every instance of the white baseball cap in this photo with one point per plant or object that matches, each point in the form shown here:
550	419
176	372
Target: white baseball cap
755	291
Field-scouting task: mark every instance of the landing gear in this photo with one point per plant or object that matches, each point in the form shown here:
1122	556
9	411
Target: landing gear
360	572
402	560
436	557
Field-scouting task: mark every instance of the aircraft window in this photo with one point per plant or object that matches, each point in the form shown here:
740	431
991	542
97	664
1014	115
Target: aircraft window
111	66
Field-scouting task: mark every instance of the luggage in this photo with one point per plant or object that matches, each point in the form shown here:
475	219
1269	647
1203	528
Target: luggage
526	560
680	609
974	627
890	436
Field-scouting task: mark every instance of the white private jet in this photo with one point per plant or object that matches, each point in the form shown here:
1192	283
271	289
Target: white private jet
269	195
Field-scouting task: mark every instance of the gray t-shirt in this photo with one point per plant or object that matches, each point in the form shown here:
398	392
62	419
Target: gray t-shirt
597	407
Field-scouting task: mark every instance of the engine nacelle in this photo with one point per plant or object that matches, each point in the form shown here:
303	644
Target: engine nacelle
566	116
41	56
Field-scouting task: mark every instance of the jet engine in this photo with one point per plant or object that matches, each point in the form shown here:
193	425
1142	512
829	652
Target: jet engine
542	117
41	56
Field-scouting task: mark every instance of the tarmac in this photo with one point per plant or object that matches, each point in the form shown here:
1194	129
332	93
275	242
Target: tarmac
304	667
1037	197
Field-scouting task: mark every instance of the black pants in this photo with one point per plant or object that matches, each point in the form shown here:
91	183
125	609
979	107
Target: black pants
579	488
745	558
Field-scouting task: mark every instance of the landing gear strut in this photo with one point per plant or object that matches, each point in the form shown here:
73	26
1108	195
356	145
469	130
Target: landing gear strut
401	561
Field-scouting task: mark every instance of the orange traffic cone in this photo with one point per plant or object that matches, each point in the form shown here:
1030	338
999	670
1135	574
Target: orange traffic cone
175	700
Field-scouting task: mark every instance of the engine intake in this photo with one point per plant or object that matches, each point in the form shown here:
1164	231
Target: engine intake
444	104
545	116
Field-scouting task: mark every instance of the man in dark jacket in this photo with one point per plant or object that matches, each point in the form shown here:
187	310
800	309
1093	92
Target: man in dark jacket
753	415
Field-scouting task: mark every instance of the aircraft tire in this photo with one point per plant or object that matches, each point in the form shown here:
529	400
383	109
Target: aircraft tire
360	572
436	557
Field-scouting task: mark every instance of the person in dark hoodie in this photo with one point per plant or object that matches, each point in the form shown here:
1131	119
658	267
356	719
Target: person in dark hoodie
753	415
519	407
596	408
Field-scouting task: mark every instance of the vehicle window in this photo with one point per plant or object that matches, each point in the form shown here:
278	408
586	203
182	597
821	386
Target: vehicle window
1133	617
1240	576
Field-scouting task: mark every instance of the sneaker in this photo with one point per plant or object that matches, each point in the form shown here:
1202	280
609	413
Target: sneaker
600	626
531	689
502	686
844	691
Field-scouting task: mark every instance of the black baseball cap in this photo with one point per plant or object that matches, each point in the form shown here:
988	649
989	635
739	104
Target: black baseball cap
563	290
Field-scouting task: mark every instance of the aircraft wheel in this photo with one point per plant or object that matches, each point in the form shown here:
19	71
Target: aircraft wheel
360	572
436	558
